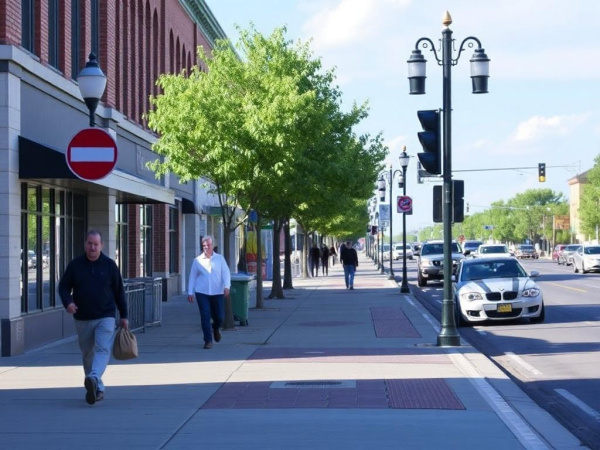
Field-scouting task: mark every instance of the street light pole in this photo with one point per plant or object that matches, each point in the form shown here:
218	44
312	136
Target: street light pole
448	335
404	158
92	83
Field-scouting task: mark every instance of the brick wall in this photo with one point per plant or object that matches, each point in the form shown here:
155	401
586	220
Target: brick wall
10	22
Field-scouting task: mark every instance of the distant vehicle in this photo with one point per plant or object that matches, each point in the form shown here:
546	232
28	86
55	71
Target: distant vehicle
496	289
416	248
566	256
430	265
587	259
526	251
31	259
491	251
556	252
386	251
398	251
471	246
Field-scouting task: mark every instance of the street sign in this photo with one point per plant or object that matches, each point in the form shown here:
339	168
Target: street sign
92	154
488	227
404	204
384	212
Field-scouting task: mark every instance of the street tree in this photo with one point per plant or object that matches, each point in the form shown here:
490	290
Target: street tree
589	207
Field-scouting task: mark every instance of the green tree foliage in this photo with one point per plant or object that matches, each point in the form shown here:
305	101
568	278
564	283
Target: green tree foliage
589	208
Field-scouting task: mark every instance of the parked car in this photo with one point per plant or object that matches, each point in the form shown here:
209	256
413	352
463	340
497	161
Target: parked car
496	289
398	251
31	259
386	252
566	256
491	251
586	259
471	246
526	251
556	252
430	265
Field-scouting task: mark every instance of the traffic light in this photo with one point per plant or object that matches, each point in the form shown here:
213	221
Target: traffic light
542	172
458	202
431	140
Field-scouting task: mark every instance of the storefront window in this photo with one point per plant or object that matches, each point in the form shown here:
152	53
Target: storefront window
121	225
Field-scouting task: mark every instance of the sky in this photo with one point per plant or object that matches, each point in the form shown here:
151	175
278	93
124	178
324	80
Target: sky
543	104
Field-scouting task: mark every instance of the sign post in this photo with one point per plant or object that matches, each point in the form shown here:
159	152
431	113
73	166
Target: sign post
92	154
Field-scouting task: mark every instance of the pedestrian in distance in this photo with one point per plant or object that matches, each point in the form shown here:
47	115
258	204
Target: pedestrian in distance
333	254
349	259
315	258
209	283
325	260
91	289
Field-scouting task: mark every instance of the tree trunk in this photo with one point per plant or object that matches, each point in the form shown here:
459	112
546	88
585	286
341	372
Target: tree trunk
287	269
276	289
259	257
228	321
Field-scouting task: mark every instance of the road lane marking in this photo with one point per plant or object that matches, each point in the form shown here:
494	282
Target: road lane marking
566	287
580	404
523	364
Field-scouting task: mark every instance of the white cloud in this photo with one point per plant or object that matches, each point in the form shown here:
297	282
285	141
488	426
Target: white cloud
538	127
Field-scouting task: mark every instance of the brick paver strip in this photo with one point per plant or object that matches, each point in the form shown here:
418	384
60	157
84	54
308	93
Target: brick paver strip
392	323
349	355
426	393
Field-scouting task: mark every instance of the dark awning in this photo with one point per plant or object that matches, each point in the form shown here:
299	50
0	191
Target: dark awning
47	165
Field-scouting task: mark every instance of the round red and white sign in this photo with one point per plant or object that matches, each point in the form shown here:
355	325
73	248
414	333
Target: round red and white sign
404	204
92	154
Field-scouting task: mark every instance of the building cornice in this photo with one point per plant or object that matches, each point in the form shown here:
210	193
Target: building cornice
204	18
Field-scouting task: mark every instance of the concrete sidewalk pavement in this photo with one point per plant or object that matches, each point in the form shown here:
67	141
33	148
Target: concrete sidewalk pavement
325	368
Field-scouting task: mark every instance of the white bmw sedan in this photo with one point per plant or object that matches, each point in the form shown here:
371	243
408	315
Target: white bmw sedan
496	289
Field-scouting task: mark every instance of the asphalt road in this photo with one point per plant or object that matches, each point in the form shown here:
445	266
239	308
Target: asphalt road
558	362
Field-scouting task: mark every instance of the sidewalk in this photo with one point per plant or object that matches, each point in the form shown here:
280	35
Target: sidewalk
325	368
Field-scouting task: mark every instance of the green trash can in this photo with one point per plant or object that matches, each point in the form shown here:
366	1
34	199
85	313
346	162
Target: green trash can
240	296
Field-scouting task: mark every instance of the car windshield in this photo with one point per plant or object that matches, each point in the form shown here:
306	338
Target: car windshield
571	248
592	250
493	249
493	269
472	245
438	249
526	247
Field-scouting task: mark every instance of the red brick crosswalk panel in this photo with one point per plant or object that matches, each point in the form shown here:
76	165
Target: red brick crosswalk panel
422	393
391	322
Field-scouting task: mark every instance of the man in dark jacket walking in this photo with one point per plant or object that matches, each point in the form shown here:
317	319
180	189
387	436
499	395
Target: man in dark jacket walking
349	259
315	258
92	289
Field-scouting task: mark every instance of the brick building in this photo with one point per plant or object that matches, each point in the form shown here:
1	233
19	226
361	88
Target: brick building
150	226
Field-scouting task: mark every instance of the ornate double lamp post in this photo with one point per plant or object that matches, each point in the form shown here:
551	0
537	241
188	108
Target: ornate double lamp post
404	159
448	335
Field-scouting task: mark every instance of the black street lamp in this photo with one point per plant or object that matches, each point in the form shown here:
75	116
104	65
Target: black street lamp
92	83
404	159
389	177
448	335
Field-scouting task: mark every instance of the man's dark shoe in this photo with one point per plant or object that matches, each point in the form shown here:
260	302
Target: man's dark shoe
91	386
217	334
207	345
99	396
351	287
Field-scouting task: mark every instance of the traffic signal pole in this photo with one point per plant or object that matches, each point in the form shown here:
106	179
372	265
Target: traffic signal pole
448	335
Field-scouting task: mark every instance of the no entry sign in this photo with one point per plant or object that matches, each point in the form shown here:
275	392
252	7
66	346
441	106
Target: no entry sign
92	154
404	204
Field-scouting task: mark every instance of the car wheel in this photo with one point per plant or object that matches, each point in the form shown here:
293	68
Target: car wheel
575	269
541	317
421	281
583	268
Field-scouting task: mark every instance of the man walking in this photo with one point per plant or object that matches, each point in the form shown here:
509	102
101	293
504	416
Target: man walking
210	281
315	258
349	259
92	289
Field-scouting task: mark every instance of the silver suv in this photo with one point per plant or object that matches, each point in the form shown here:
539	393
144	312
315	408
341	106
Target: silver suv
430	265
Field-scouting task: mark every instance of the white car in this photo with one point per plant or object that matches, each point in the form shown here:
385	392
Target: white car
496	289
491	251
586	259
430	265
398	252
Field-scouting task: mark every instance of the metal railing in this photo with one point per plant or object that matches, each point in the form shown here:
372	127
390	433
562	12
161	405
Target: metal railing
144	302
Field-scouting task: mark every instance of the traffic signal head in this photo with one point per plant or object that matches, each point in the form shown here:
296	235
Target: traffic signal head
542	172
431	141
